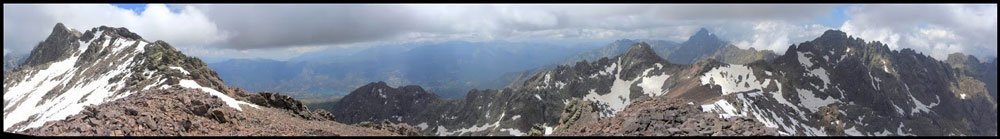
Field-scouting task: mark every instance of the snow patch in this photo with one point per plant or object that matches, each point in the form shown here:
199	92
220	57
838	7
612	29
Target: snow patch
853	131
180	69
811	102
803	59
822	75
920	106
874	80
513	131
723	107
732	79
614	101
422	126
548	129
653	85
898	110
225	98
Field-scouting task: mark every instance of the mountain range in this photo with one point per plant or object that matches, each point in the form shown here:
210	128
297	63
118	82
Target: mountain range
833	85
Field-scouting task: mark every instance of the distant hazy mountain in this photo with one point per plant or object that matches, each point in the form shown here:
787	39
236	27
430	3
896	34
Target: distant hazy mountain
448	68
969	65
701	45
10	61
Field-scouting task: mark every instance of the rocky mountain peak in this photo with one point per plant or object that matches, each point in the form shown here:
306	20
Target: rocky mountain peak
60	43
834	35
61	29
960	58
116	32
703	34
638	56
640	50
700	45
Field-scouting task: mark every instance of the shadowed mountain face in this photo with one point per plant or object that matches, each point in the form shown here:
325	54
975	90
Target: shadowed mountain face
701	44
110	81
832	85
448	69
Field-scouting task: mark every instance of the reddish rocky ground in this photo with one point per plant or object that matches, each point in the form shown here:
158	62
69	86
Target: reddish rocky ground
659	117
187	112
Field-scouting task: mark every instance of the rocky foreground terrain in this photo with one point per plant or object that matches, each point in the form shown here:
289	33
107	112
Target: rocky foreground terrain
187	112
658	117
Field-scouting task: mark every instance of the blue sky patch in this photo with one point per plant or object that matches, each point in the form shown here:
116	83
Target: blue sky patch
137	8
836	17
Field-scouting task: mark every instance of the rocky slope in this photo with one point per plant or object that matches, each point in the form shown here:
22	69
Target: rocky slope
968	65
840	85
110	81
187	112
649	117
833	85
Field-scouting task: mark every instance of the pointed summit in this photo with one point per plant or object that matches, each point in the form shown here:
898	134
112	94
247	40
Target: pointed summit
120	31
640	50
701	44
60	43
834	35
60	28
703	34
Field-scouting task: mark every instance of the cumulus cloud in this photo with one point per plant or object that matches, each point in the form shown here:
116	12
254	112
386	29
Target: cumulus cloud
937	30
26	25
775	35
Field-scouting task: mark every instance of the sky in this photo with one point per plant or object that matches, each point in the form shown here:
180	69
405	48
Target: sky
281	31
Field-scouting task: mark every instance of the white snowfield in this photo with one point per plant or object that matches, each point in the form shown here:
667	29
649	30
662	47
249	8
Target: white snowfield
733	79
616	100
230	101
24	98
743	96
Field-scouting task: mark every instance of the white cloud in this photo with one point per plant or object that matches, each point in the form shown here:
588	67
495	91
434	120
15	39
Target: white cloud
27	24
936	30
771	35
267	26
